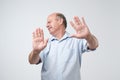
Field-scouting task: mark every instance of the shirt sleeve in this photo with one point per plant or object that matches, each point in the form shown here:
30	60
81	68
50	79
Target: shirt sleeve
41	55
84	46
44	52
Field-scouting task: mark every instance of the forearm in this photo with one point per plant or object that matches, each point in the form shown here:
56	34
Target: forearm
92	42
34	58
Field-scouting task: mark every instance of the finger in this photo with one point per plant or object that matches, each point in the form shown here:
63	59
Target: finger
83	20
72	24
42	34
77	20
46	41
38	34
76	36
73	35
33	35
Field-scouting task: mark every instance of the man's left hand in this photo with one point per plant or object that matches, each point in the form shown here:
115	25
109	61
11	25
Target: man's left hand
82	31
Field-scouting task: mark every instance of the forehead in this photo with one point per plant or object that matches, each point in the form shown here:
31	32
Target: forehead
52	16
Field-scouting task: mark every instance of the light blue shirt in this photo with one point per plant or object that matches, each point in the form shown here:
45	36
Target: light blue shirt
62	58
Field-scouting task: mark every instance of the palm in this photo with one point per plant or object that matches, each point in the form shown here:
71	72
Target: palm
38	44
80	27
38	40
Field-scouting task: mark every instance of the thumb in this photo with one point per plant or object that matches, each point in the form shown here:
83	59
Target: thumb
73	35
46	41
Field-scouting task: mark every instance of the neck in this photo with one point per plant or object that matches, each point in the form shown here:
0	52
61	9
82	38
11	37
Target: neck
59	34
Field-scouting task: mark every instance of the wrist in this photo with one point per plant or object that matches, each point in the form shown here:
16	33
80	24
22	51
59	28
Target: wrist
89	36
36	52
92	42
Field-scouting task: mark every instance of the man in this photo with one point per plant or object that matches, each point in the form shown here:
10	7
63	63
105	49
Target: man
61	54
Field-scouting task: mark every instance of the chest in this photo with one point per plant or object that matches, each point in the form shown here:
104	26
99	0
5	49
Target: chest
63	52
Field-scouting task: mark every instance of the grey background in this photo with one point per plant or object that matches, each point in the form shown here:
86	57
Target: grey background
19	18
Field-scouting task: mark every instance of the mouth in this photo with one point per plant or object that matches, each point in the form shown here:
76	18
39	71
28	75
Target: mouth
49	28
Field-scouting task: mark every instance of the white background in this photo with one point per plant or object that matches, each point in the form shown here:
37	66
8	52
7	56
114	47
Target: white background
19	18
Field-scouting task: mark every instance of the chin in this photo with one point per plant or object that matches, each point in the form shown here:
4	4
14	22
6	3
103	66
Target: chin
51	32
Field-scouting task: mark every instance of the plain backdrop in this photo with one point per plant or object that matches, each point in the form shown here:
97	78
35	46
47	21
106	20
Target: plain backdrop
19	18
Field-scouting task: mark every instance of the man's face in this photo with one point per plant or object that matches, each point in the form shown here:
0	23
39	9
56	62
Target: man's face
52	24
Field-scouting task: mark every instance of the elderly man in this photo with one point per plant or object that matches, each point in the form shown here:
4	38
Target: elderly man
61	54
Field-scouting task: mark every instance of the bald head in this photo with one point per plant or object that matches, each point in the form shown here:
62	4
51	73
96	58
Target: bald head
60	15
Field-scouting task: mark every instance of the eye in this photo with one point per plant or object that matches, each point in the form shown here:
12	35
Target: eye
49	22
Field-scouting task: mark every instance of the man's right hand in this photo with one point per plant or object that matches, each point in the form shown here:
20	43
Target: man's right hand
39	43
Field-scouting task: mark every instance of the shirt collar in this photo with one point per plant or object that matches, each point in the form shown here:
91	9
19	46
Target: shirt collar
66	35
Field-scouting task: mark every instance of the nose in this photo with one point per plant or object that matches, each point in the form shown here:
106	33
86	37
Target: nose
47	25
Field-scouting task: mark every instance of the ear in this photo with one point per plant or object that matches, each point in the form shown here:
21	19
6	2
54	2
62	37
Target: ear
60	21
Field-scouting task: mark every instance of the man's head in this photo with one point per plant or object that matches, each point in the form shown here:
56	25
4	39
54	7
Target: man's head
56	22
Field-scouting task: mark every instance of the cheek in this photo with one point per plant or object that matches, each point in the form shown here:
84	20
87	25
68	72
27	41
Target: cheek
54	26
